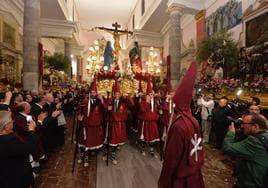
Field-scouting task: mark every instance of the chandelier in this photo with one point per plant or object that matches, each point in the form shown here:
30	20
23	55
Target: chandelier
95	59
153	65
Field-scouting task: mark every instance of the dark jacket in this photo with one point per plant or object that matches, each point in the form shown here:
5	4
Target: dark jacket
36	110
15	168
253	168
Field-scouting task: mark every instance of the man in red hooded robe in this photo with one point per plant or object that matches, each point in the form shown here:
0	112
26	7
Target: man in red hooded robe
119	113
183	151
91	117
168	109
149	114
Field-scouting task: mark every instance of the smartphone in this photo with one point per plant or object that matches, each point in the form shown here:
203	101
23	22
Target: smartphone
29	119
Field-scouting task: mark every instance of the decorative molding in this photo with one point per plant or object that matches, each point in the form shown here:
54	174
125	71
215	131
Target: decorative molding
192	4
4	46
9	16
57	28
200	15
188	52
252	15
145	38
250	11
19	4
16	9
255	13
176	8
166	28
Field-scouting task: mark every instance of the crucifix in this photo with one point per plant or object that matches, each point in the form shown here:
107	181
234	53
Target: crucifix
116	34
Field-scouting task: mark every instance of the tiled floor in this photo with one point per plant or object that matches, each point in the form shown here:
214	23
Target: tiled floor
59	175
132	171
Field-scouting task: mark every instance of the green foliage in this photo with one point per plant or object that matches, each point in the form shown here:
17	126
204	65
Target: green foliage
58	62
222	46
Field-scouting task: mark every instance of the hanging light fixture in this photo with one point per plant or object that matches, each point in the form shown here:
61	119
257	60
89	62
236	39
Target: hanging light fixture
95	59
153	65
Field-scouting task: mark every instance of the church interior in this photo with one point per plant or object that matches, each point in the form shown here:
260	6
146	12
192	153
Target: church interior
112	79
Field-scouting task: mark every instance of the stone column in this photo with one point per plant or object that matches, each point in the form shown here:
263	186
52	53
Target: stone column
78	68
175	40
31	36
68	53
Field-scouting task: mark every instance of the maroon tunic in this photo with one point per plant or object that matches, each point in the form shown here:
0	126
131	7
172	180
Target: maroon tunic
119	115
148	129
183	153
180	168
166	113
91	133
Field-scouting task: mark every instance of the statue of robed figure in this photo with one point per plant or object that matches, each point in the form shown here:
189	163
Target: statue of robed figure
135	58
108	55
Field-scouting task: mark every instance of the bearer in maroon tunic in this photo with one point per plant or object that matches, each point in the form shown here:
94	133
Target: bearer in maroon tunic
148	129
184	152
119	114
91	134
168	107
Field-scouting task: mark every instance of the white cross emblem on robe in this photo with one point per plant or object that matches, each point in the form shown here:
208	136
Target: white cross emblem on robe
196	141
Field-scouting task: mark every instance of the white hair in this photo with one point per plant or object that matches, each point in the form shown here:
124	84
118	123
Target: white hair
5	118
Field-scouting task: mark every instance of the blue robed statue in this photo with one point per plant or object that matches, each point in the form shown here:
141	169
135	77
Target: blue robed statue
108	55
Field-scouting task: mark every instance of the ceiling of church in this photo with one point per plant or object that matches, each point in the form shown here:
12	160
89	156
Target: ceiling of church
93	13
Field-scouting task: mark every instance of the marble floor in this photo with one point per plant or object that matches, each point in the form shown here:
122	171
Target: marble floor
132	171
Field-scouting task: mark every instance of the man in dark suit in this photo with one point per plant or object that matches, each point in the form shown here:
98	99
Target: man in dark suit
22	118
37	107
50	123
15	171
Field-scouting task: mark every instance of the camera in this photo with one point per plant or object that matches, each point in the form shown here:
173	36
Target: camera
237	122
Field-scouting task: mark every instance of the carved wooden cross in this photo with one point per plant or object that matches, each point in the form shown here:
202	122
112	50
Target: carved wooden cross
116	26
116	34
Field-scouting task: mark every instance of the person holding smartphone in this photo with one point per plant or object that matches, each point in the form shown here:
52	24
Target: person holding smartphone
22	119
15	168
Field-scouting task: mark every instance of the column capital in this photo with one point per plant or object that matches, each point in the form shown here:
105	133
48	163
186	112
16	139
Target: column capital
200	15
67	40
175	8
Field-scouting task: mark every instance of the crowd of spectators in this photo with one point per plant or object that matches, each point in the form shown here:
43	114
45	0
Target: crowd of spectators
32	127
239	129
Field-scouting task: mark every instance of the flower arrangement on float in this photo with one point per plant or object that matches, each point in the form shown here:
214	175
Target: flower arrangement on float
231	84
129	80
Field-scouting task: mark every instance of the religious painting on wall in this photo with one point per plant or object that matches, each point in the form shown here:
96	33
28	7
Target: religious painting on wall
224	18
257	30
9	35
8	69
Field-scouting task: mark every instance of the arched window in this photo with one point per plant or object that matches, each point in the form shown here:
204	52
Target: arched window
142	7
133	22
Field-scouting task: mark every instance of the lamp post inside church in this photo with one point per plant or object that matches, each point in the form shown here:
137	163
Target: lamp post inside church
95	59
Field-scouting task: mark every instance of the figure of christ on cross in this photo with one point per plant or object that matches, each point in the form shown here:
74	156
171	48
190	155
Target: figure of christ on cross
116	34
